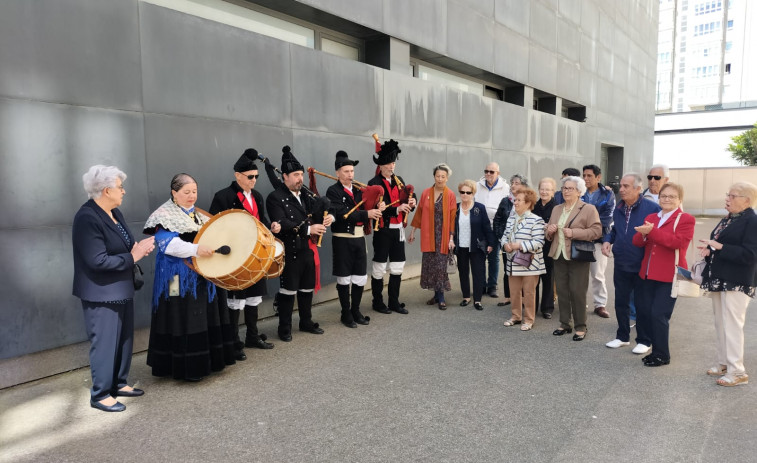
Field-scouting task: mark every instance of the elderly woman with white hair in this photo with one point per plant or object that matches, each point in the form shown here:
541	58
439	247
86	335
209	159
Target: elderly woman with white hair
730	276
105	253
571	221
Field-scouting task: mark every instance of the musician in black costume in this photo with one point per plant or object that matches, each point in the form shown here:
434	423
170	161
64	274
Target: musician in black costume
350	260
389	240
241	194
295	211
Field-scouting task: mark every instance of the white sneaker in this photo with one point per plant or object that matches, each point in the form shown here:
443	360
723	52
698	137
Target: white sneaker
615	343
641	349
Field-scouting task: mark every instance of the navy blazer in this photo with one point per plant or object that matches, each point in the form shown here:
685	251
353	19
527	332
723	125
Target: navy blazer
480	229
103	264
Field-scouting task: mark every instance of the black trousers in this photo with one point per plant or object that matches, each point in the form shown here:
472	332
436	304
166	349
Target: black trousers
547	284
654	307
110	329
475	262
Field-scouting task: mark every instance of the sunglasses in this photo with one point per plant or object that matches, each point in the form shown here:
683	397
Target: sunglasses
656	177
465	192
490	171
250	177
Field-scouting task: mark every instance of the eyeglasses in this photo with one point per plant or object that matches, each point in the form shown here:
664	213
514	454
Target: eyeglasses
120	187
465	192
656	177
568	188
250	177
732	197
666	197
490	171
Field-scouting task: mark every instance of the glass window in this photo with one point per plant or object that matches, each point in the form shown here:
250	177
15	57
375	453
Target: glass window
340	49
728	46
730	24
461	83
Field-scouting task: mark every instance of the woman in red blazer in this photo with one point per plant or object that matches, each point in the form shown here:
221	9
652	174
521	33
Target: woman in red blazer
660	236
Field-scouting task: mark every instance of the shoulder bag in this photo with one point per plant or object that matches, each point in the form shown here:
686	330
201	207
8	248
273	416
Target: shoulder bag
682	286
581	251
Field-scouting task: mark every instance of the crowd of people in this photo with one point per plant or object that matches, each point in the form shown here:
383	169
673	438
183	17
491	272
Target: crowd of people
554	241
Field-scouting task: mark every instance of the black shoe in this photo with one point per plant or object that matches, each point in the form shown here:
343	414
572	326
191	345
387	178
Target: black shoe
133	393
463	303
656	362
579	337
401	309
116	407
359	318
193	379
562	331
442	306
547	315
239	355
646	358
259	342
478	306
383	309
503	304
492	293
286	337
349	323
315	329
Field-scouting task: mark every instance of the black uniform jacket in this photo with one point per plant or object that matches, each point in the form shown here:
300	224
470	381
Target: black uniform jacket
228	199
390	211
341	203
293	217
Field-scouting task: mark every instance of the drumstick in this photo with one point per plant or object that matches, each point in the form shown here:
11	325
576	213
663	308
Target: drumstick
320	237
225	250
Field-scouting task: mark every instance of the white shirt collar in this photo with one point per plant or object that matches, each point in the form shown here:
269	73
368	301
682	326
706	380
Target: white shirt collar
664	217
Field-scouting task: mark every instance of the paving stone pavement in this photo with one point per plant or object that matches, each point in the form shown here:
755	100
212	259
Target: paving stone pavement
431	386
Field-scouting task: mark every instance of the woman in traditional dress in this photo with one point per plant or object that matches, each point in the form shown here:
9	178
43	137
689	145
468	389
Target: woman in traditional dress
190	335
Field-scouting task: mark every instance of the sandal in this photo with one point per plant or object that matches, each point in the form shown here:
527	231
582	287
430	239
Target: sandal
512	322
579	337
525	327
736	380
717	371
442	306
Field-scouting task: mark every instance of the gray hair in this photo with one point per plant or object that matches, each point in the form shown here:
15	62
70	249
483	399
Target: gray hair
100	177
523	180
747	189
179	180
665	169
580	184
638	182
443	167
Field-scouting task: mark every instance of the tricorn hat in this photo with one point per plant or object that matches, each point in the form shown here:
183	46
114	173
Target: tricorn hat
289	163
246	161
342	159
389	152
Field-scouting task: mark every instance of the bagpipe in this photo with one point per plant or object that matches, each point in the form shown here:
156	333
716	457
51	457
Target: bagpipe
372	195
406	191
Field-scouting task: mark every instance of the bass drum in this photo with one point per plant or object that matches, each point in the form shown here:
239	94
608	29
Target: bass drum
252	250
277	266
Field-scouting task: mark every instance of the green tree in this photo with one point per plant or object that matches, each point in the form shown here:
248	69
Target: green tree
744	147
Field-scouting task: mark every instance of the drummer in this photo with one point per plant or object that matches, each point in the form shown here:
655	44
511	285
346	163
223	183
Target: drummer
241	194
348	241
293	209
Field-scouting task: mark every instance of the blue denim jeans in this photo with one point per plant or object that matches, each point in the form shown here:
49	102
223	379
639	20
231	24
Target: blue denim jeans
493	259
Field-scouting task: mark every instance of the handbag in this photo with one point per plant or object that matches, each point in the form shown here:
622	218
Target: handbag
451	263
581	251
682	286
697	271
137	277
523	258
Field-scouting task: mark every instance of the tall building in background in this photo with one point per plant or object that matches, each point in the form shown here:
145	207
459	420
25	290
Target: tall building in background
706	64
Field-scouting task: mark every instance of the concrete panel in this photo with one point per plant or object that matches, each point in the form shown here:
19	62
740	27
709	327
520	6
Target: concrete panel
543	26
716	183
542	69
483	7
605	63
509	126
511	54
566	142
193	66
421	22
335	94
590	19
368	14
38	310
587	140
568	40
414	109
59	143
83	52
466	163
587	91
515	14
571	10
606	30
469	118
568	80
588	55
542	165
512	162
470	36
544	131
207	150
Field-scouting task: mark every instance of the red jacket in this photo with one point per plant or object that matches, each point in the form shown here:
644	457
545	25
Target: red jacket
661	243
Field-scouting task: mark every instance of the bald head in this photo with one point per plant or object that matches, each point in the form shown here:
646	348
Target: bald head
491	173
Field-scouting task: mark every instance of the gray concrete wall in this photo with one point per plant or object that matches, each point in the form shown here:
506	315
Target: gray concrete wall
155	92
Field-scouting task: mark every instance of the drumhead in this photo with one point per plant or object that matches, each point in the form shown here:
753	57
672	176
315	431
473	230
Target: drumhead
236	229
279	248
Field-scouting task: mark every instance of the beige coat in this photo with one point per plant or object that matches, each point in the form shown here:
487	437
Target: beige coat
586	227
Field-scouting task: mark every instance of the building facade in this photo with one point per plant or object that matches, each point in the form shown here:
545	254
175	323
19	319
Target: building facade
158	87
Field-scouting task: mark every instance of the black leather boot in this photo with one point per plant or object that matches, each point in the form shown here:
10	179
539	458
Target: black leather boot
286	306
357	296
238	345
377	287
305	305
394	294
344	302
252	338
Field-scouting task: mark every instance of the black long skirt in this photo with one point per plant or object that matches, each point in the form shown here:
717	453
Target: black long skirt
190	338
